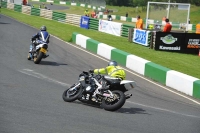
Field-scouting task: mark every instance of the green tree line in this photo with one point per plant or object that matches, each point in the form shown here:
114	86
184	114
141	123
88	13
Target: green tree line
134	3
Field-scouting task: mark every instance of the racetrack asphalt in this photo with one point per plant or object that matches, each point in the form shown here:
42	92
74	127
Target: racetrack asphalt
31	95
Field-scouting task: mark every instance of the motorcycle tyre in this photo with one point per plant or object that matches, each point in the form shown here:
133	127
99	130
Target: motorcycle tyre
38	58
29	58
73	98
117	105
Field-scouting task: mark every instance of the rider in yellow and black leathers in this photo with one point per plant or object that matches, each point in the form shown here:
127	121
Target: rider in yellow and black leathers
112	70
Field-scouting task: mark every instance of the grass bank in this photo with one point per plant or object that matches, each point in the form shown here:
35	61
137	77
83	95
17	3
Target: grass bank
185	63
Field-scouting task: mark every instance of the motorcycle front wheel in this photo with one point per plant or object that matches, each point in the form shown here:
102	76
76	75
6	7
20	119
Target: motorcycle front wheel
72	93
115	103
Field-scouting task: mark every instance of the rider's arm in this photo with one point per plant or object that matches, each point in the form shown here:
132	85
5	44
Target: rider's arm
100	71
35	36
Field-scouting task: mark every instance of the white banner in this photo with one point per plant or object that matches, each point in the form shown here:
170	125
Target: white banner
110	27
141	36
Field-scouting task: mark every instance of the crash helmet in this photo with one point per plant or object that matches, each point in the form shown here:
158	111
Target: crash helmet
112	63
43	28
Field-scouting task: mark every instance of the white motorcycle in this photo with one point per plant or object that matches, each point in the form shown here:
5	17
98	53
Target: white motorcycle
112	98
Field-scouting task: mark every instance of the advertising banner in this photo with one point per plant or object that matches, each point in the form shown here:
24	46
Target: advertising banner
192	41
141	36
169	41
110	27
179	42
84	22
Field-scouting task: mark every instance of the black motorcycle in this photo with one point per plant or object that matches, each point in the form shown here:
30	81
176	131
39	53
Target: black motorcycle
111	98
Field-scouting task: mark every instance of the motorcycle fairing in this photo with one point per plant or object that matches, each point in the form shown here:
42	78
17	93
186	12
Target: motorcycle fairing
128	84
40	45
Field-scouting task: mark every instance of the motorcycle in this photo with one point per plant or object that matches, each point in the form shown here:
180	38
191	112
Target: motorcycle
111	98
38	52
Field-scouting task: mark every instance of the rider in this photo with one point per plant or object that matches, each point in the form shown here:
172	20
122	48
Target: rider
112	70
42	36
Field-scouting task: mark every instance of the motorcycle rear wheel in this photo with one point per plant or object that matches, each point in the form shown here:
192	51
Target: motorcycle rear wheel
110	104
71	95
38	58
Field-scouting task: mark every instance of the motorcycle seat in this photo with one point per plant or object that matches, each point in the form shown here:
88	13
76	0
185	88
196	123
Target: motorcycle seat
112	80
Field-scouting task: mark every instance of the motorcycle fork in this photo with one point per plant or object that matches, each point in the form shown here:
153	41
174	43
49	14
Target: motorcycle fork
75	87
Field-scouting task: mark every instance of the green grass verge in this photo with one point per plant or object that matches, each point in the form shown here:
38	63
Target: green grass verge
185	63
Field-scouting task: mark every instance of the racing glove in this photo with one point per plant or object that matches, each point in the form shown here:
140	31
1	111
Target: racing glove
91	71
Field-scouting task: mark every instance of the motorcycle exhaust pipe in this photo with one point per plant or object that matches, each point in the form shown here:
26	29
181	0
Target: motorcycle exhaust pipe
128	96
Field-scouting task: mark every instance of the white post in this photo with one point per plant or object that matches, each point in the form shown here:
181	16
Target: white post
188	17
168	9
147	16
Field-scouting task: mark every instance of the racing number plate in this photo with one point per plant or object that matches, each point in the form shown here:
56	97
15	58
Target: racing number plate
43	50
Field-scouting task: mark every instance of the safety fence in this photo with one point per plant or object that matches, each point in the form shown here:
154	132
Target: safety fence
125	30
46	13
26	10
72	19
86	5
35	11
176	25
118	29
93	24
18	8
58	16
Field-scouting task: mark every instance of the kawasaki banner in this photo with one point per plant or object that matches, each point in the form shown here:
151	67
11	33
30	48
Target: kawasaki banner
179	42
141	36
169	41
110	27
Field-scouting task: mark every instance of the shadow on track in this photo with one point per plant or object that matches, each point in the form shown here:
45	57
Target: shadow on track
51	63
88	104
4	23
122	110
132	111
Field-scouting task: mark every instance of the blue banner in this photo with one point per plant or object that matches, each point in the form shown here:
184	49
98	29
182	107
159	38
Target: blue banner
141	36
84	22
